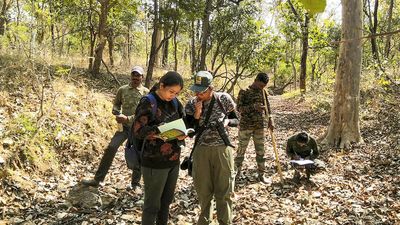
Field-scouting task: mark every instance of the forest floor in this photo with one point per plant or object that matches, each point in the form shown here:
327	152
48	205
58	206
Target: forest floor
358	186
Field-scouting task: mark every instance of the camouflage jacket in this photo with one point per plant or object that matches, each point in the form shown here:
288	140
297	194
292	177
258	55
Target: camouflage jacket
127	99
309	150
250	118
211	137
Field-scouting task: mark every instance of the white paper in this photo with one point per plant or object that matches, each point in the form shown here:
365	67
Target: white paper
176	124
302	162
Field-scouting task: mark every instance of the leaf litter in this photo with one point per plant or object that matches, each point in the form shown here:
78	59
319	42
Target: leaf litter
360	186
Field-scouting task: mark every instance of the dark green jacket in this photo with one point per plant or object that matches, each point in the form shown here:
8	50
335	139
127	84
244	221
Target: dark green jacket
309	150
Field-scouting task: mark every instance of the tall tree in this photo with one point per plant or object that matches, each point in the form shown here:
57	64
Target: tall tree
205	34
304	24
105	7
373	27
5	6
389	28
344	126
153	48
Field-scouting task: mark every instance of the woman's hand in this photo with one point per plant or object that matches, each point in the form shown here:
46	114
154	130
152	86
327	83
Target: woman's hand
182	137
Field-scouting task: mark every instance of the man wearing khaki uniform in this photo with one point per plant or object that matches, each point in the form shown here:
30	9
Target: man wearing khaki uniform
125	103
213	169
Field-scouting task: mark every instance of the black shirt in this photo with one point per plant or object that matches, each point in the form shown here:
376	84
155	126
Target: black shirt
157	153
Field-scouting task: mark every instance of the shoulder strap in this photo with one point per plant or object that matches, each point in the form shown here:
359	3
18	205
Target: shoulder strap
220	104
153	103
203	127
175	102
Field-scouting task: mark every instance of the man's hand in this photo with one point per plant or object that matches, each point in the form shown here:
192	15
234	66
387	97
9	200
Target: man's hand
296	157
198	108
121	118
271	124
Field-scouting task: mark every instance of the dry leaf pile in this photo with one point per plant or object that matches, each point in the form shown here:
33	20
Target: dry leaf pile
360	186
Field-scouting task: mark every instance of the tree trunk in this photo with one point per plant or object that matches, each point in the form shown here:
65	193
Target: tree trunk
304	53
165	49
98	56
344	121
4	8
129	47
193	48
93	35
153	48
373	29
175	50
110	40
205	34
61	49
158	42
53	38
389	28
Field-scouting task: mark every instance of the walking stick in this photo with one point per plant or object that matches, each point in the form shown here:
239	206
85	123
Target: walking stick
278	164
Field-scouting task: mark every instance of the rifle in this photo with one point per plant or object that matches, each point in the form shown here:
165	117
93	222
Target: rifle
278	164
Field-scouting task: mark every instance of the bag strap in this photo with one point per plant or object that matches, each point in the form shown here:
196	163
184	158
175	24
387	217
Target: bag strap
220	104
153	103
203	127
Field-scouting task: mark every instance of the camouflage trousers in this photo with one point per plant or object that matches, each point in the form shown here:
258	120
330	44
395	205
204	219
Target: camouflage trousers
244	139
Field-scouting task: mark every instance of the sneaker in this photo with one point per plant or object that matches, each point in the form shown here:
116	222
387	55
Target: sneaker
90	182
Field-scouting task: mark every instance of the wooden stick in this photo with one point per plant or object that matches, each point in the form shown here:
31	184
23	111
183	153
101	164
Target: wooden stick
278	164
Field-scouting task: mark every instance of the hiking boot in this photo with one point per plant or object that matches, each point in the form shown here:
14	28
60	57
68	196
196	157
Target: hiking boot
90	182
296	177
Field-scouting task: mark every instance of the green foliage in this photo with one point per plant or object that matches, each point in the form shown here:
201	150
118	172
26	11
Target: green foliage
240	37
314	6
292	94
25	125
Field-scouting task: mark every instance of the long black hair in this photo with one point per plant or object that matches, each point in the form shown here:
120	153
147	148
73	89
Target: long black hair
171	78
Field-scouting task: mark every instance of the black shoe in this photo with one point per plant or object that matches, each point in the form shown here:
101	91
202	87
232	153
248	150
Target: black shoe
91	182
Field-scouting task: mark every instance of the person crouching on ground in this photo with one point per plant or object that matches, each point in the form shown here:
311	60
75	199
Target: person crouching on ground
302	146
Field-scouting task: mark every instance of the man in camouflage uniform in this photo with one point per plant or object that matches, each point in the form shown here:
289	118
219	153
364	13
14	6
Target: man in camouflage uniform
213	167
302	146
125	103
253	119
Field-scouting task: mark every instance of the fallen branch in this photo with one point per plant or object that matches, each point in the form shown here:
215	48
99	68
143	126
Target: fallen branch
116	80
